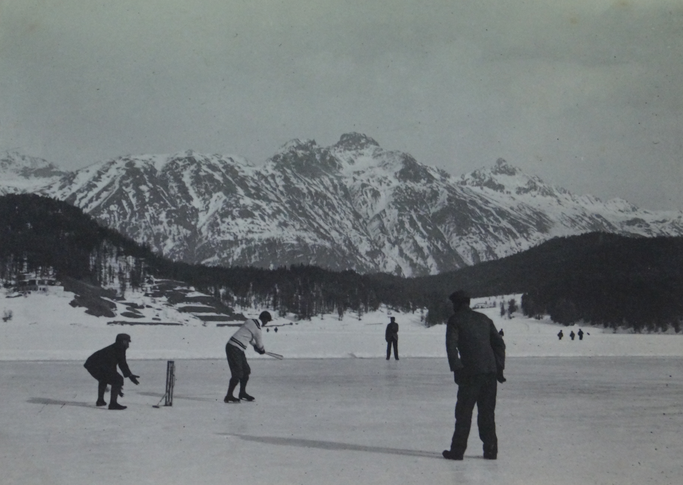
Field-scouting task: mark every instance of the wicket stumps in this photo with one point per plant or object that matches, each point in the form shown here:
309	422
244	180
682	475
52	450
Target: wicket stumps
170	381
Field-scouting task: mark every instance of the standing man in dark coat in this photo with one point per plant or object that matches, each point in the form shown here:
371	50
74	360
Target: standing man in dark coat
476	355
102	366
391	336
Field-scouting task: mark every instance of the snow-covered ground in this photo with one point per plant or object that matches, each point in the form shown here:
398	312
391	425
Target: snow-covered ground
604	410
44	327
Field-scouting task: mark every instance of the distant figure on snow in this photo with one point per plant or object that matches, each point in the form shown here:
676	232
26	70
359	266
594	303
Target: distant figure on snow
501	333
580	334
102	366
476	356
391	336
248	334
560	334
572	335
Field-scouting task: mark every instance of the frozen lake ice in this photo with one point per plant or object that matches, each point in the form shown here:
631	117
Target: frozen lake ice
560	420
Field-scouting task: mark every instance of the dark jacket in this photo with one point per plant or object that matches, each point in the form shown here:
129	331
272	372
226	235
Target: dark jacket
108	358
473	344
391	333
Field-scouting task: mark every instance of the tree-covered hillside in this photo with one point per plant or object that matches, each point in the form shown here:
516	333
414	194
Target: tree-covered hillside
598	278
40	235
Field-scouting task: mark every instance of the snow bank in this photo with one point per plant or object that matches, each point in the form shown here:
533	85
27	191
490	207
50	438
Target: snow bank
44	326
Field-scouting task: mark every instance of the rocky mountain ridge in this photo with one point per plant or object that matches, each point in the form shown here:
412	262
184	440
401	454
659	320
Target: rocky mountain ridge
352	205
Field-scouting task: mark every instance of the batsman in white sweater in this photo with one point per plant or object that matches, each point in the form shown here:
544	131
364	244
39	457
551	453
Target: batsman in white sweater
248	334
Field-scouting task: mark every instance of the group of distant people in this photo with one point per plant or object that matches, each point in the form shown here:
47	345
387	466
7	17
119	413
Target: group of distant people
476	357
572	335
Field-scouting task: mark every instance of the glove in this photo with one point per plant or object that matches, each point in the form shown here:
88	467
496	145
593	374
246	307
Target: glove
500	377
134	379
457	376
260	351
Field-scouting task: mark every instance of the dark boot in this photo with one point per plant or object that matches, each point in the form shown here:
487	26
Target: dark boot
243	390
113	404
491	452
101	389
451	455
231	388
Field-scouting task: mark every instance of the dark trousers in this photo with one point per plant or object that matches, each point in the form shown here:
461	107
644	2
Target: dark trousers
481	390
395	345
239	369
106	376
237	361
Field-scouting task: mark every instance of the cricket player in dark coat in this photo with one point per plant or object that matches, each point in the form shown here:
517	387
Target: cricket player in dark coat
476	356
102	366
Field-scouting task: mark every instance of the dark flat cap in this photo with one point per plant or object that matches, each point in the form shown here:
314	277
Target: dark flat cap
123	336
459	296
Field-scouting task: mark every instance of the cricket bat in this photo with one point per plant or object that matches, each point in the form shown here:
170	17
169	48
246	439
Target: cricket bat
273	354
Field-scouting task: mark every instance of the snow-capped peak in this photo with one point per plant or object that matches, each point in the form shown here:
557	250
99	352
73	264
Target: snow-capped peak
298	144
358	152
21	173
508	179
354	142
502	167
17	163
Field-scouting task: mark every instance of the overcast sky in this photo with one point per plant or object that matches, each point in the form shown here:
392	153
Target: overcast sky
586	94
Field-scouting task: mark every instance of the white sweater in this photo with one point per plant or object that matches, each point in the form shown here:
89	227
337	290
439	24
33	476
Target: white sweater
248	334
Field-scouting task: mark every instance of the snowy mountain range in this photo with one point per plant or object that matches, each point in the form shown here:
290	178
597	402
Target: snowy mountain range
352	205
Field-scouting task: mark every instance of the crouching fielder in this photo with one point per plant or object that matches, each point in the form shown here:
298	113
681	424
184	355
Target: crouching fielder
248	334
102	366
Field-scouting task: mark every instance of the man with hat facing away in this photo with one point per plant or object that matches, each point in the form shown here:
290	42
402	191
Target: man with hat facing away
476	355
102	366
248	334
391	336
